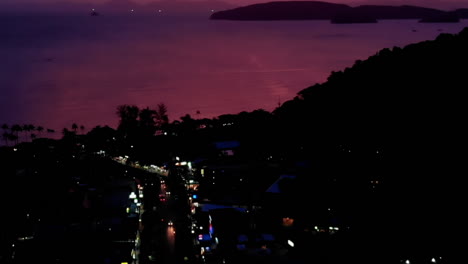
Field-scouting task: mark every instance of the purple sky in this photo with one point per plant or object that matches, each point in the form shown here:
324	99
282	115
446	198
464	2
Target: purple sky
442	4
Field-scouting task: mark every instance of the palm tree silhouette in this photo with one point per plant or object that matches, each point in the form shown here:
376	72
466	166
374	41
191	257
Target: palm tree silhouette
39	129
6	137
15	129
75	127
5	134
31	129
13	138
26	128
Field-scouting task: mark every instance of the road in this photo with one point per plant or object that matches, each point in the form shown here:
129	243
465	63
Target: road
166	236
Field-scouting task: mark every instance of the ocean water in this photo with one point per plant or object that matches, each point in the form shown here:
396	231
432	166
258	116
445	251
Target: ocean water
58	70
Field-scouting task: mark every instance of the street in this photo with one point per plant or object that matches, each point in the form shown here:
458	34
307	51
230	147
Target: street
166	236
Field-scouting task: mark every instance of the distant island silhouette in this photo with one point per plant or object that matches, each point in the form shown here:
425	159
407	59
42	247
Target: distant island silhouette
337	13
449	17
351	18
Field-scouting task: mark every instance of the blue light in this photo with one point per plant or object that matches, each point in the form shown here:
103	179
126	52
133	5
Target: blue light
194	196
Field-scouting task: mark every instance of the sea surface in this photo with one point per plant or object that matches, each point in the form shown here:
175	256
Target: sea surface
56	70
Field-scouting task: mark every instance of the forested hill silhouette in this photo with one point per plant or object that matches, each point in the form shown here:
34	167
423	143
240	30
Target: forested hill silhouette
418	87
408	103
462	12
317	10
